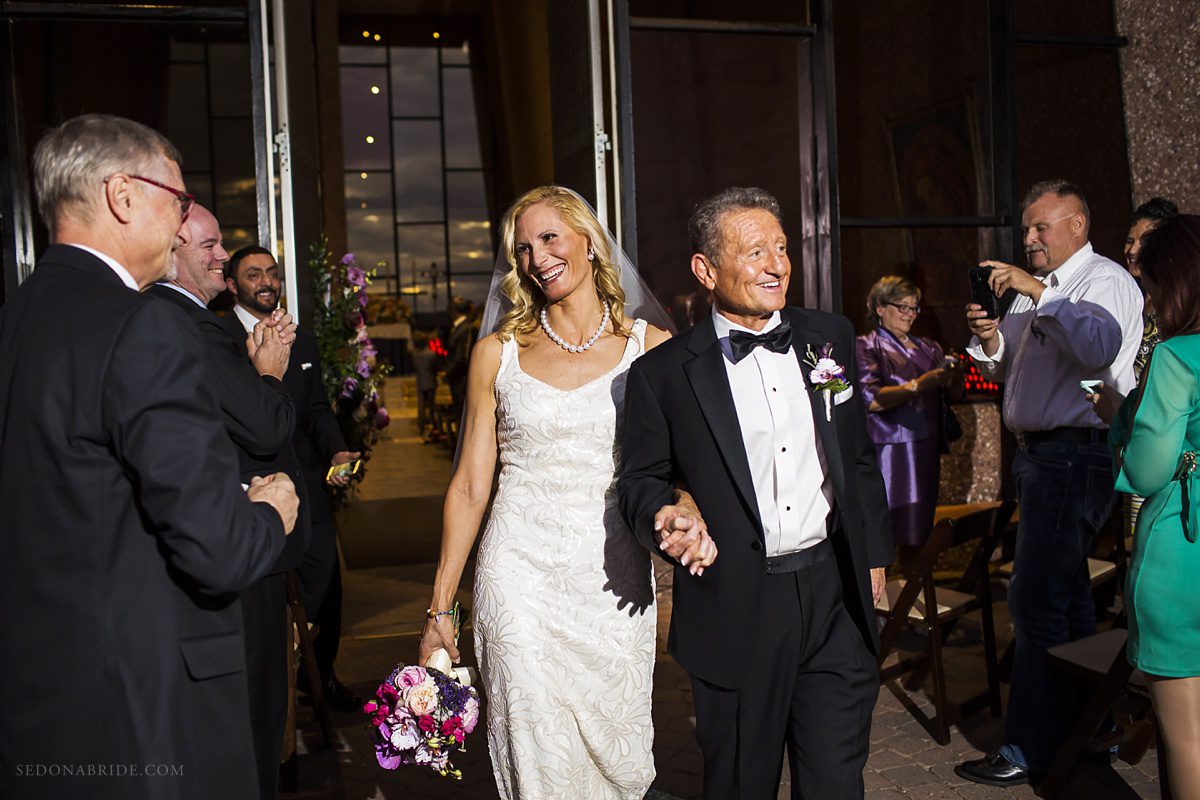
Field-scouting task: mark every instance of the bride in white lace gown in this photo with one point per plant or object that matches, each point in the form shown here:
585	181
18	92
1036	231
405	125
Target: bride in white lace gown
564	598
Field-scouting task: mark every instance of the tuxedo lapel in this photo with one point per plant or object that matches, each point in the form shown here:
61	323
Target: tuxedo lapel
710	383
806	338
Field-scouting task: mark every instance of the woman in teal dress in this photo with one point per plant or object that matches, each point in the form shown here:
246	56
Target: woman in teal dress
1155	438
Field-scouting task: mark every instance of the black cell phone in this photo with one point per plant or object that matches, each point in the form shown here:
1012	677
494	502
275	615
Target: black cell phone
981	292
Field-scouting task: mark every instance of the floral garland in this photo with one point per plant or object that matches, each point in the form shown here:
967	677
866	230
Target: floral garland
353	380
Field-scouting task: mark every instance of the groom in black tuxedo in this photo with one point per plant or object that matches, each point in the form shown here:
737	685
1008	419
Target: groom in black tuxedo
778	633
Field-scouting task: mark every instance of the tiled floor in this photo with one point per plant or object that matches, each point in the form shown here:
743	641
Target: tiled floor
390	538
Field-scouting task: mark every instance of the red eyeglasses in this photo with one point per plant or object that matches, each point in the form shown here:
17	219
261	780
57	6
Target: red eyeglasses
186	200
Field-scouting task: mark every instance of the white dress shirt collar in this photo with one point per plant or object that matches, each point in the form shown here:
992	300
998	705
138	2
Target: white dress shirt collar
247	319
1069	267
122	273
185	293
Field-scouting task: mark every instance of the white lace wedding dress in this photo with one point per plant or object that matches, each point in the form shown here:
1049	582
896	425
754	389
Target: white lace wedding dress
564	596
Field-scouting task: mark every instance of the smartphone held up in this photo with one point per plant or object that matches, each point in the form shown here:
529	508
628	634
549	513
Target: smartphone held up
981	291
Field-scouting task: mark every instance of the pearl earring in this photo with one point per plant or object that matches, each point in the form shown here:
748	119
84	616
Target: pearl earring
591	254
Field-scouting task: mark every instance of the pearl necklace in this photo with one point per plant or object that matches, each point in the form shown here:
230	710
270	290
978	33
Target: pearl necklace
574	348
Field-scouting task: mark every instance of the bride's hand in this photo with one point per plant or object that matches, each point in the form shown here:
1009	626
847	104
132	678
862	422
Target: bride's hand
438	633
683	535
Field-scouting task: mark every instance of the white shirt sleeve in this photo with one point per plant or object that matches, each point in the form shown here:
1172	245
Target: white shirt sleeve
992	367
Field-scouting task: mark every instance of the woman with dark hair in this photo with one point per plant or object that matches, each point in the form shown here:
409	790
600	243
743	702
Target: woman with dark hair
902	377
1155	436
1145	219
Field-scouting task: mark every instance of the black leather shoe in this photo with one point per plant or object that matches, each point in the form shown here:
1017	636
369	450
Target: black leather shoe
339	697
993	770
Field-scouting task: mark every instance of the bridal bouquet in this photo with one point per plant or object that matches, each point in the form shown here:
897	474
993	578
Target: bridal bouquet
421	715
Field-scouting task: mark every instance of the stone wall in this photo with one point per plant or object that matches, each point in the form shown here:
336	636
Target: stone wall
971	471
1161	80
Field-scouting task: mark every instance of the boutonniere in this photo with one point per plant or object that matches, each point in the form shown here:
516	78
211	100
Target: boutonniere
827	376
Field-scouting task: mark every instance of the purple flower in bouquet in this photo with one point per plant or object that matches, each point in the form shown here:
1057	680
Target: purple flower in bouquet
382	419
362	299
348	386
356	277
348	259
454	694
363	367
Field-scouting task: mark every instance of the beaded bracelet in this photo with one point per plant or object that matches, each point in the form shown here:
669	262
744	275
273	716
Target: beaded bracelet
431	614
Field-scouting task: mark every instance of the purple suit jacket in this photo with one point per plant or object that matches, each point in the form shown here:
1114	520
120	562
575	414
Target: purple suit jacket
884	361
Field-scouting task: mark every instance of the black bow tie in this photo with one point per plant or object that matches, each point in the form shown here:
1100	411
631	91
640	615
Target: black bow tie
777	340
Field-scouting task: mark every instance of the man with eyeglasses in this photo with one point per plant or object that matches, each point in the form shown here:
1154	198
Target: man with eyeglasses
1077	317
126	535
259	417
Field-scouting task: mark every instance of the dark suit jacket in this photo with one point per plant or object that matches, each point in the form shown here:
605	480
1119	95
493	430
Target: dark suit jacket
259	418
316	436
256	409
124	539
681	428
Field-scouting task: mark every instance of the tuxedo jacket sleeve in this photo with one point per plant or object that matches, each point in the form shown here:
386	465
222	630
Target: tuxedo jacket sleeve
881	548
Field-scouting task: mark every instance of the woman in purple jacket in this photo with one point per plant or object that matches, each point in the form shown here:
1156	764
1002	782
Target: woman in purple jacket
902	377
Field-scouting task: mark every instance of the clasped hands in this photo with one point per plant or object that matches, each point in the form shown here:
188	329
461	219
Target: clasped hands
269	344
683	536
279	493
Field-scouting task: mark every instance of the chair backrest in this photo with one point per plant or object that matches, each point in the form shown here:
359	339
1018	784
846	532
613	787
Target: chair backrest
966	525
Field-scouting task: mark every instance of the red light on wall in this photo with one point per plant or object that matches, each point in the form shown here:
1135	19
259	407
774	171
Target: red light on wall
975	382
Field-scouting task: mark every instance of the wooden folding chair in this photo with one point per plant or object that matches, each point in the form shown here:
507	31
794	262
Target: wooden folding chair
1111	567
914	601
308	657
1099	660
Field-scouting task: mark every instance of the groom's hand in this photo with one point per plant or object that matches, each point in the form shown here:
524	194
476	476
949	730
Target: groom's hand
683	536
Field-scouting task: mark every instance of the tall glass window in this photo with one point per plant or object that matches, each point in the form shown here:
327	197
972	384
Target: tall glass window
418	159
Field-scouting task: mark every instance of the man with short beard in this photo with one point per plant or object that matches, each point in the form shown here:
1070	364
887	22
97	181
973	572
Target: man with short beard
253	277
1077	317
258	417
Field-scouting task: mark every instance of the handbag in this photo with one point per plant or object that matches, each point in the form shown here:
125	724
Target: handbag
951	427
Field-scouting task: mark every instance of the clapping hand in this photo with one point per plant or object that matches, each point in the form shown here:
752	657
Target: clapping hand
683	536
269	346
279	492
283	322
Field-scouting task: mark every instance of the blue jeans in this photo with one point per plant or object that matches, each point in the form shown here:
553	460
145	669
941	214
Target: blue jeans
1065	492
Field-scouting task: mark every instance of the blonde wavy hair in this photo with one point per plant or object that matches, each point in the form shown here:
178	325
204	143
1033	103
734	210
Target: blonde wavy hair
526	296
